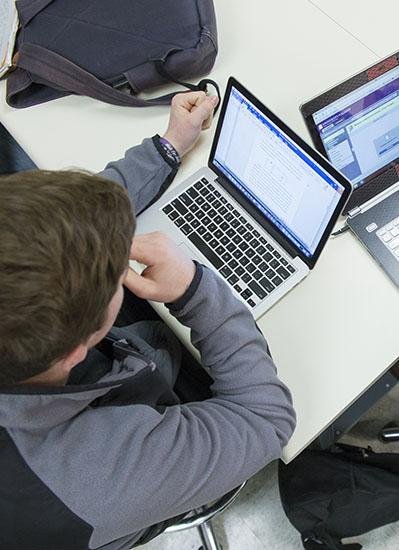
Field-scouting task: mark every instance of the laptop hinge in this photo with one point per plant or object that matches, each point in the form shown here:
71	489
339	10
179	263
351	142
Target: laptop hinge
373	201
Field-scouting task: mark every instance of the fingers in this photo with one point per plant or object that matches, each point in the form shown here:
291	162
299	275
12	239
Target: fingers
147	248
139	285
203	112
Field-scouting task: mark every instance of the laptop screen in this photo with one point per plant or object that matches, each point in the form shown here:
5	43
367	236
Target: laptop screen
360	131
286	185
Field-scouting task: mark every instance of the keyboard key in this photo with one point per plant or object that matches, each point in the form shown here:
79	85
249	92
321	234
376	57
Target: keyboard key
248	236
283	272
250	253
244	261
277	281
232	280
192	192
179	206
269	247
200	200
251	303
270	274
263	266
223	201
230	247
261	250
218	233
237	288
212	213
224	226
228	217
254	243
230	233
201	230
242	219
193	207
217	194
185	199
204	192
267	285
206	220
235	223
206	207
212	227
243	246
276	254
233	264
198	185
195	224
179	221
229	207
274	264
204	180
226	271
241	230
250	268
256	260
219	250
246	277
240	271
186	228
284	261
218	219
257	289
236	239
263	240
216	204
226	256
237	254
189	216
200	214
167	209
222	210
206	250
213	243
257	274
208	237
173	215
236	213
256	233
267	257
247	293
225	240
290	269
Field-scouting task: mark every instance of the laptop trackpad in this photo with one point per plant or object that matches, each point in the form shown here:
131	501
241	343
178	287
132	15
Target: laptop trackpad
190	252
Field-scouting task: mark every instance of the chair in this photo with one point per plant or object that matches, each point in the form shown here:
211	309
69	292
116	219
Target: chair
389	433
202	517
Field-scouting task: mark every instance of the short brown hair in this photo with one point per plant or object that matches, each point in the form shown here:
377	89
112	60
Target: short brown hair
64	243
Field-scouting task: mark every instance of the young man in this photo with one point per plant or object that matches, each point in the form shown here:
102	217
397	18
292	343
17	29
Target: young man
98	451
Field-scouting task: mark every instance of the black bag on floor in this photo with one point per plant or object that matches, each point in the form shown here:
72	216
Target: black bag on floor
97	47
339	493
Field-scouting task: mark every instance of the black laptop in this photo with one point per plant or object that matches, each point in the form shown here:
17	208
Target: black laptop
356	126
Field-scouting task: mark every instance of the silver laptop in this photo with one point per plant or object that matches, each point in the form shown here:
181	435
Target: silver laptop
261	212
356	125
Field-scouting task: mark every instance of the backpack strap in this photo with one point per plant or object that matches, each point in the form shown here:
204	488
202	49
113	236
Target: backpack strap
58	72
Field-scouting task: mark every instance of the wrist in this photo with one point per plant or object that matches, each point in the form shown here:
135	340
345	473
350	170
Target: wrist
175	143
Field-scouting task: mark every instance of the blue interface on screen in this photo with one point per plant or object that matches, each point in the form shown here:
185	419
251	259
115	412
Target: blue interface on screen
285	184
360	131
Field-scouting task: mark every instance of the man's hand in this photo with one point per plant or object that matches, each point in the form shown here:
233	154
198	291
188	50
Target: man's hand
169	271
190	113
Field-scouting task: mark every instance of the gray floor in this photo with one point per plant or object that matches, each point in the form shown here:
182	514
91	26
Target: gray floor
256	520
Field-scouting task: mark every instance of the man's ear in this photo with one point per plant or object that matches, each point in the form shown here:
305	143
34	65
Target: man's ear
77	355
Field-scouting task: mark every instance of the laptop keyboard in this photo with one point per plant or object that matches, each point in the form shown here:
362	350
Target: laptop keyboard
389	235
248	261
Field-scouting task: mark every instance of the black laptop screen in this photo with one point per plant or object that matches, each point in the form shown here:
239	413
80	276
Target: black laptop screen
287	186
360	130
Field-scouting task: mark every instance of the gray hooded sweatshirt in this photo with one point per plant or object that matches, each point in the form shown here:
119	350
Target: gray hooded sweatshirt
82	467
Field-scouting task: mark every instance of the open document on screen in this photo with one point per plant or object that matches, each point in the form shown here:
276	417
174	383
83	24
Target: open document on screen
279	178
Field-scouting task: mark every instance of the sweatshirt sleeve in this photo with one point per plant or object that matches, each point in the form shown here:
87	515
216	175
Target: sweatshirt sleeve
145	172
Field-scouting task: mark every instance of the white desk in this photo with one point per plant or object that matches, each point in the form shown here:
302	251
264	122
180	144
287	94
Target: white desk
374	24
332	336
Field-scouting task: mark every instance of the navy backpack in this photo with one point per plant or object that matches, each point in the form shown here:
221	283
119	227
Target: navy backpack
110	50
